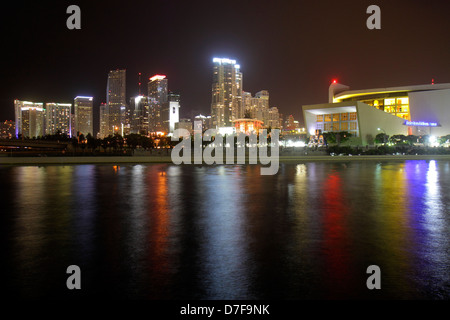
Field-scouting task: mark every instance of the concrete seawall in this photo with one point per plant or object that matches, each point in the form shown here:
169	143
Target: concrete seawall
167	159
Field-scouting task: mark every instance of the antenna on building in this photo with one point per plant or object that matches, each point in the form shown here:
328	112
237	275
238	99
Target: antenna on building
139	83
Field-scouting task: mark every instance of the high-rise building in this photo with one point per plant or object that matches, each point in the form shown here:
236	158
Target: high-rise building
116	100
18	105
258	107
58	118
83	115
226	104
32	120
158	99
247	103
291	123
206	121
139	109
72	125
273	118
170	113
184	124
263	95
281	121
104	121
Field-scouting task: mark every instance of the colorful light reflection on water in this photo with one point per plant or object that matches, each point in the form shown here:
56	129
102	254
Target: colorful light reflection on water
226	232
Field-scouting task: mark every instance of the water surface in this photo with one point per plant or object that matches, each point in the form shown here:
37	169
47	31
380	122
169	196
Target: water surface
163	231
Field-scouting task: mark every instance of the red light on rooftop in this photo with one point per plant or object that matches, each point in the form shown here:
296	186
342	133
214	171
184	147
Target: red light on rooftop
157	77
334	81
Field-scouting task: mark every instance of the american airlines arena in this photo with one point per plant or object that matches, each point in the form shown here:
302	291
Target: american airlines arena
408	110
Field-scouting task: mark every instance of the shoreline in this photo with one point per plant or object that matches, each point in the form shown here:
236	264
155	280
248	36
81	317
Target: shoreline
120	160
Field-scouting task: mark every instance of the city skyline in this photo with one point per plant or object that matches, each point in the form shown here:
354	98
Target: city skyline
207	153
154	113
277	46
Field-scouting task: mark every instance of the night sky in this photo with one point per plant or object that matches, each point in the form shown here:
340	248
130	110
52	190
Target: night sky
294	49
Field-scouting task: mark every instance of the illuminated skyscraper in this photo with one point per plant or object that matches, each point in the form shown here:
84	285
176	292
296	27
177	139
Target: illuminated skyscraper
206	121
272	119
18	105
291	123
258	107
104	121
139	110
32	120
226	104
58	118
158	99
263	95
170	113
83	114
116	100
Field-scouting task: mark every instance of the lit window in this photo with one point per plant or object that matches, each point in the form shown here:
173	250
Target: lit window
389	102
344	116
353	116
336	117
402	100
